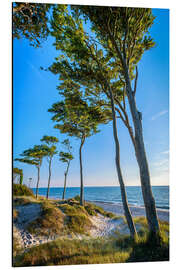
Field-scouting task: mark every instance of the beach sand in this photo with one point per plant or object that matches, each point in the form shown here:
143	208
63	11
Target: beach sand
117	209
101	226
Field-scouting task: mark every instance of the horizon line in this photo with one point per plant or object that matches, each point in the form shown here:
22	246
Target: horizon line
104	186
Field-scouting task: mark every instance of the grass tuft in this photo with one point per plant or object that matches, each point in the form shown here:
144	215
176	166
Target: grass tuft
49	223
22	190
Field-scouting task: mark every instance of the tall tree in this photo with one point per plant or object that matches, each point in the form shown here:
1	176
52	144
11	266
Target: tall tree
30	20
66	157
82	63
34	156
79	119
123	33
18	172
51	151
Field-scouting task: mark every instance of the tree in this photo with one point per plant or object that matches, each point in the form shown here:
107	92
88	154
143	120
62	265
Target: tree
51	151
34	156
66	157
30	20
18	172
78	119
123	34
82	64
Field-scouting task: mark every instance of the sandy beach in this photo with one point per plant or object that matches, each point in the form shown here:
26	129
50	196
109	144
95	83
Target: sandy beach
117	209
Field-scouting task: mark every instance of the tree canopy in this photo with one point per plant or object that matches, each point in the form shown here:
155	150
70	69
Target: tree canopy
30	20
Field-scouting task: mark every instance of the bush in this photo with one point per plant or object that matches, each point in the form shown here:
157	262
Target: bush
78	223
50	222
21	190
77	198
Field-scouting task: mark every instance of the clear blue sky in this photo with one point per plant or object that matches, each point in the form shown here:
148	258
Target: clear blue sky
35	92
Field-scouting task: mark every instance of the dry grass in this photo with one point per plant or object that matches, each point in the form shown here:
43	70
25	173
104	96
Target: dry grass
50	222
94	251
22	190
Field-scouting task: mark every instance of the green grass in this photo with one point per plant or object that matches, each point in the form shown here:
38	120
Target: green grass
78	223
21	190
94	251
93	210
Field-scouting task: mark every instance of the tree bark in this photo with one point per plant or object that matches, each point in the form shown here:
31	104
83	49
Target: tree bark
81	173
148	198
37	181
49	178
65	179
127	212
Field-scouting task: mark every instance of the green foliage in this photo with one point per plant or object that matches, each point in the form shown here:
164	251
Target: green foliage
93	209
21	190
77	198
49	140
77	117
65	157
31	21
50	147
150	248
125	26
34	156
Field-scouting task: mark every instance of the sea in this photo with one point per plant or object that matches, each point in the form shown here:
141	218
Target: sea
111	194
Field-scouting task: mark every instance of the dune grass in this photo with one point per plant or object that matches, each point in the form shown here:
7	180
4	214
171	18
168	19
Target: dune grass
22	190
50	222
68	217
94	251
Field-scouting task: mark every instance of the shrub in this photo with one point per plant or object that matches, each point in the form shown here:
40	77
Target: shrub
78	223
49	223
77	198
21	190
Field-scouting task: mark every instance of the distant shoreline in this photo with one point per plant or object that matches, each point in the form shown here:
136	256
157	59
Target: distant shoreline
163	214
102	186
117	208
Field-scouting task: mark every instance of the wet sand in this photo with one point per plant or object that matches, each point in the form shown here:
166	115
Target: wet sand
117	209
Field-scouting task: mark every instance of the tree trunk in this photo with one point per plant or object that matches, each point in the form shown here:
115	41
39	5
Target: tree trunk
81	173
149	201
37	181
49	178
127	212
21	179
65	177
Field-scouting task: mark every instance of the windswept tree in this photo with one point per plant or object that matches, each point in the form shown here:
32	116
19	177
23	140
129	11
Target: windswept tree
82	64
123	33
51	151
105	62
18	172
30	20
34	156
78	119
66	157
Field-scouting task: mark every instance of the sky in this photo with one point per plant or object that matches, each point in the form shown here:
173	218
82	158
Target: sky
34	92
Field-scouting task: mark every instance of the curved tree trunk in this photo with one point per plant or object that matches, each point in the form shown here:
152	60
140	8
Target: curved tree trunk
65	179
148	198
37	186
81	173
127	212
49	178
